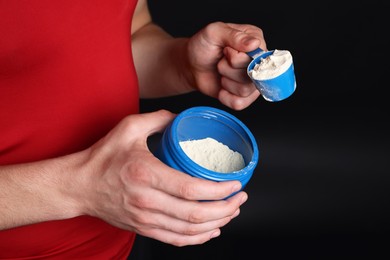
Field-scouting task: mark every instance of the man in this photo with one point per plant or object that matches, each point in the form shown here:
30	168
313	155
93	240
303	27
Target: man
76	177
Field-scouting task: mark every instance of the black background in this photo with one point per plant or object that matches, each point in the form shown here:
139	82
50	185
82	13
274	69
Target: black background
321	188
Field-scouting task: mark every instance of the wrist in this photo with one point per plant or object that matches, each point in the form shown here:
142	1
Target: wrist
41	191
71	188
184	67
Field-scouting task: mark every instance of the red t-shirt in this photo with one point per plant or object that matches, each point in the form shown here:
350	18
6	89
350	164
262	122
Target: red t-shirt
66	78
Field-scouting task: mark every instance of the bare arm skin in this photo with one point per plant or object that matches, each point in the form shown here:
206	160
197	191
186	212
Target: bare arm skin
40	191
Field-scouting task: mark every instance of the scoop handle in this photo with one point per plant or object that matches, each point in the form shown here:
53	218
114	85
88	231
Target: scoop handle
255	53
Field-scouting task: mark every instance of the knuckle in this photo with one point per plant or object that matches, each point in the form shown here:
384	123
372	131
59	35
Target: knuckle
196	216
187	191
244	91
143	202
211	27
128	124
222	64
191	230
141	220
165	113
138	173
237	61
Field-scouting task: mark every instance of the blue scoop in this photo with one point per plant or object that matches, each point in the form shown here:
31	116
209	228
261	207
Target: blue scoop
272	89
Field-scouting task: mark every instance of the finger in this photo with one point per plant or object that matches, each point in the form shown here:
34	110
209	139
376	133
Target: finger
235	102
166	222
136	129
180	240
241	38
251	30
190	211
236	59
205	211
184	186
161	200
153	122
234	73
238	89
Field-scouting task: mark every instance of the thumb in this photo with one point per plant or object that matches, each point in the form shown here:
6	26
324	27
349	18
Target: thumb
241	37
154	122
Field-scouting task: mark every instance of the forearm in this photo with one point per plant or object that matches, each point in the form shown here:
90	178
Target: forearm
39	191
161	63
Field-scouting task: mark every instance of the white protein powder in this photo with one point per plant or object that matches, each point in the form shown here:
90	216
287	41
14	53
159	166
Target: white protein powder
213	155
272	66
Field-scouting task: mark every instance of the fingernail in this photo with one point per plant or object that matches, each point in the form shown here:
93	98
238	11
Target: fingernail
243	199
215	234
236	213
236	187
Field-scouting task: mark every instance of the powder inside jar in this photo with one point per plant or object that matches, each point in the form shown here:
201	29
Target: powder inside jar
213	155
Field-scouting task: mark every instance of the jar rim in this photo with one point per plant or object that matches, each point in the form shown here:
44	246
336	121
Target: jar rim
214	113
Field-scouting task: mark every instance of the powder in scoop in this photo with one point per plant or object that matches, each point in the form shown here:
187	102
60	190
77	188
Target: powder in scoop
213	155
272	66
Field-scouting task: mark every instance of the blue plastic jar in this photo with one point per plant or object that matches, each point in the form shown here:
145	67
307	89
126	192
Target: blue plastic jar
202	122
